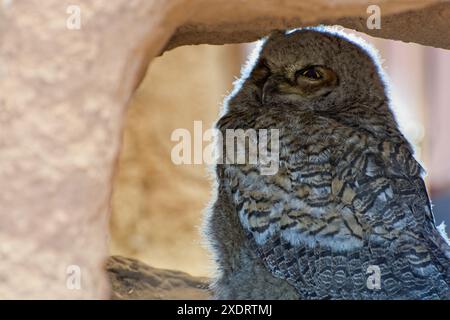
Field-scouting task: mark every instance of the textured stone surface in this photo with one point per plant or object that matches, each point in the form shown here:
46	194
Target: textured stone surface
62	98
224	21
132	279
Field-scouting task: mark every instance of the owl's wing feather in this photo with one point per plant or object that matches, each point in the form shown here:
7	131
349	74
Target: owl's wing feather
383	189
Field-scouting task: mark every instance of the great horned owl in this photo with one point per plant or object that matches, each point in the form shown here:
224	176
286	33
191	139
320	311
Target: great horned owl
348	199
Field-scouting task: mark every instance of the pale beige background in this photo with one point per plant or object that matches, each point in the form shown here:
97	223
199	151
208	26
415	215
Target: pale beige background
157	205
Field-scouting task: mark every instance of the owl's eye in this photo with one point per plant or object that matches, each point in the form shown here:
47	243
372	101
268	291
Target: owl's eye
311	72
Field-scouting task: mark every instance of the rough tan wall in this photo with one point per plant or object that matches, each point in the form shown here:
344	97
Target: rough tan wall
62	96
157	205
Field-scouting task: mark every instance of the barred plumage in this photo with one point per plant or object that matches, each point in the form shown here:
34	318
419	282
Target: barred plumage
348	193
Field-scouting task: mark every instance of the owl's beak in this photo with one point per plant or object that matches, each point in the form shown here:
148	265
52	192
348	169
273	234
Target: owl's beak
269	87
263	94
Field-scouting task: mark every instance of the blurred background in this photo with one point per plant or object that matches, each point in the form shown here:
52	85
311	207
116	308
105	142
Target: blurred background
158	206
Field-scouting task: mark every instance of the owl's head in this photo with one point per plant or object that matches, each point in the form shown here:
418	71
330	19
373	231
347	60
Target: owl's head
314	68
